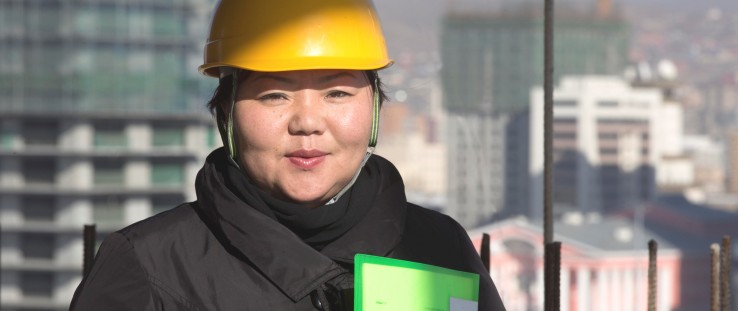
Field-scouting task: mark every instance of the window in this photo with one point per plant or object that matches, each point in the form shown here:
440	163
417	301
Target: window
168	136
109	136
211	136
36	284
167	174
40	133
108	210
6	139
608	151
108	173
86	21
39	171
38	209
166	23
37	246
565	103
139	22
607	103
46	20
140	61
107	21
564	135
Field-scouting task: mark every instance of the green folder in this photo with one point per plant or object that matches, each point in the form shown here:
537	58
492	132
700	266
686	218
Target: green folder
384	284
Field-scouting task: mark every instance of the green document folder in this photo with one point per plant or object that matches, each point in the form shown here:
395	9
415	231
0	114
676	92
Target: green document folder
390	284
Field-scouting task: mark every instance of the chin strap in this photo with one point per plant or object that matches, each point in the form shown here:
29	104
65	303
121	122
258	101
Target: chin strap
369	152
372	143
232	153
375	115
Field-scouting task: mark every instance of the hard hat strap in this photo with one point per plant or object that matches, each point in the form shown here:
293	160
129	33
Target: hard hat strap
232	152
375	114
372	142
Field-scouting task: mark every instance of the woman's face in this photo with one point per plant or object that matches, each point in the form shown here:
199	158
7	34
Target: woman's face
303	134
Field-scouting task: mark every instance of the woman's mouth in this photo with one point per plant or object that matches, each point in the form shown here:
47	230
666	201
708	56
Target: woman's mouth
306	159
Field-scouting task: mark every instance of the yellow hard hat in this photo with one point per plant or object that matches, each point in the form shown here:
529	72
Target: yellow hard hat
282	35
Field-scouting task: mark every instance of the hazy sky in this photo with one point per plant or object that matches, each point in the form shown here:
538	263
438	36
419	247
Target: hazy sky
413	24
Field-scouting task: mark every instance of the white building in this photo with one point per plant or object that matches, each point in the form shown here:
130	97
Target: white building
609	139
101	121
58	174
476	167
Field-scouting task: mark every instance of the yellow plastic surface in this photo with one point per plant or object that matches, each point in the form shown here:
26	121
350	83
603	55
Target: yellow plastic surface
283	35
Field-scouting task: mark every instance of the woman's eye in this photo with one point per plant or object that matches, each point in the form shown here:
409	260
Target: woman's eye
273	96
338	94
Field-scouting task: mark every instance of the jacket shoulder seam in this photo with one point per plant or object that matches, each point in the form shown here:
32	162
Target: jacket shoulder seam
155	283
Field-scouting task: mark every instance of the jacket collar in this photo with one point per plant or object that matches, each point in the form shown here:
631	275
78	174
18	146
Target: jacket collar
280	255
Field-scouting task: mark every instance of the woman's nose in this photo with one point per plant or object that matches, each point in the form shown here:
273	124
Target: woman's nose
308	115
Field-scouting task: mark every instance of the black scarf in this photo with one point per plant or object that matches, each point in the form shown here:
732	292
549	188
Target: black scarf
316	227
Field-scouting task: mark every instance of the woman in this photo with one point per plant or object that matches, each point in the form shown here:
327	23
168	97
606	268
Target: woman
296	193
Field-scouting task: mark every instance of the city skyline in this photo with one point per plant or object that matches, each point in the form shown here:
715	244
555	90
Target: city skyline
103	150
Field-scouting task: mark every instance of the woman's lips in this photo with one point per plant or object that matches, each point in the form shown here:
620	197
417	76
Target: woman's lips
306	159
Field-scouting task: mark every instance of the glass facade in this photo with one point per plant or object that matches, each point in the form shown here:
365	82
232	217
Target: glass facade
108	173
91	93
39	171
35	284
168	136
37	246
40	209
40	133
491	62
167	174
6	139
108	211
101	56
109	136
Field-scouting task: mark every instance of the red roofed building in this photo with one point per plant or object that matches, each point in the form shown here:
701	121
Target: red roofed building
604	265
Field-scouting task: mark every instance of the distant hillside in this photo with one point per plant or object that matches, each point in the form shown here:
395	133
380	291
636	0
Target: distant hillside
730	5
414	25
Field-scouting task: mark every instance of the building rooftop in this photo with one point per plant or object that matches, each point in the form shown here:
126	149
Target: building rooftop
610	233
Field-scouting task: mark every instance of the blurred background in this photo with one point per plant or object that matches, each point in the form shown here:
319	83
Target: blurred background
103	120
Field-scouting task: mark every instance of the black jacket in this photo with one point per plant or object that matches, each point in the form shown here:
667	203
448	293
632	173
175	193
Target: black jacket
218	253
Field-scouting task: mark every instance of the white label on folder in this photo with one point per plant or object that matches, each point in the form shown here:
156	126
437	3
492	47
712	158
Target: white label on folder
463	305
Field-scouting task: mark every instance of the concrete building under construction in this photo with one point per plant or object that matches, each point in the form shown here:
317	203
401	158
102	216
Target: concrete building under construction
490	63
102	121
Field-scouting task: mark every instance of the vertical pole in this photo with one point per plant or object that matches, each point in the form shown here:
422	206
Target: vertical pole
553	268
548	124
552	300
725	274
549	296
88	251
714	276
652	275
484	251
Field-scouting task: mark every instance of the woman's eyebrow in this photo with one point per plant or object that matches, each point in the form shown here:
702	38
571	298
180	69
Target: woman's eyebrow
329	78
277	78
320	80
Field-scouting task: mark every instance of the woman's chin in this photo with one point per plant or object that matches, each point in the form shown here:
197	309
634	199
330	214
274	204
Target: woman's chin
308	199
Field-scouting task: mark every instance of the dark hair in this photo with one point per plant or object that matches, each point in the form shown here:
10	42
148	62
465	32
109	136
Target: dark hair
221	99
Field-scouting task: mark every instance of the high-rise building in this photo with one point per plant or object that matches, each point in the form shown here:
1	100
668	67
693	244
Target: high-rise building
490	63
102	121
607	143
